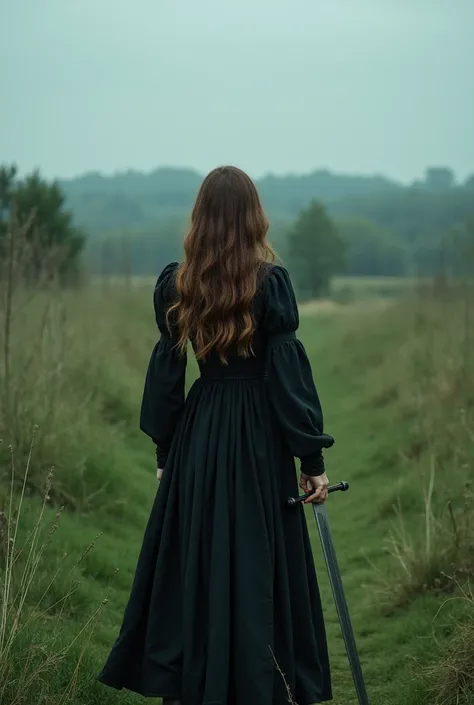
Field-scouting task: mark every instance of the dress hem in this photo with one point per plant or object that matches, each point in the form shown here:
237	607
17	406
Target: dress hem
169	696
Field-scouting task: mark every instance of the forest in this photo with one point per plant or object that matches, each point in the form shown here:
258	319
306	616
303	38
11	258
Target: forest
132	224
136	220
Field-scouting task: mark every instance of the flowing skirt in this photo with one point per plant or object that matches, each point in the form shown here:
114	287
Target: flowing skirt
225	587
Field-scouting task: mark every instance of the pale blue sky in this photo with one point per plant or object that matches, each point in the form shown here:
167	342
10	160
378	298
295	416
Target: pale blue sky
270	85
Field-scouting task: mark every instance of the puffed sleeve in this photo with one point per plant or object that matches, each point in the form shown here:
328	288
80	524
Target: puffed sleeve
290	380
164	393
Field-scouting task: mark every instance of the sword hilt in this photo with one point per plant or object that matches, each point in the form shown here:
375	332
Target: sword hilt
340	487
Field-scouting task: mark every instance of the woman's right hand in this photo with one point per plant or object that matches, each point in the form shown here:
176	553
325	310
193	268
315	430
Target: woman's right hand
319	484
159	473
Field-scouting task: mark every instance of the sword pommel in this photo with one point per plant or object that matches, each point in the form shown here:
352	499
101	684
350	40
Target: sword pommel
342	486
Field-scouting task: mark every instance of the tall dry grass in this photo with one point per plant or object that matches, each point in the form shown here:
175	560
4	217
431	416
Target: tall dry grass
450	680
66	365
72	360
32	645
416	362
426	378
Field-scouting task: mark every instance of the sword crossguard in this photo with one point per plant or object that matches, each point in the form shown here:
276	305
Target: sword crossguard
340	487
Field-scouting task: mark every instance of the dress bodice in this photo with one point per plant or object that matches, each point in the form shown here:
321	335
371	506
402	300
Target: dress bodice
277	357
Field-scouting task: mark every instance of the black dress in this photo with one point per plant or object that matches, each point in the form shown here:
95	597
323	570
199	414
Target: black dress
225	583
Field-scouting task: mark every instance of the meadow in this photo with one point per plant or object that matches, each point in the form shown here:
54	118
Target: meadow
396	380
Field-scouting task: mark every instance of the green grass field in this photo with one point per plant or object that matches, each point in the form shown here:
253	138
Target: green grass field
398	397
342	286
357	288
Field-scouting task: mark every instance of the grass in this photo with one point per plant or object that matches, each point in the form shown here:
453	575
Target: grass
32	646
397	396
346	288
395	535
451	681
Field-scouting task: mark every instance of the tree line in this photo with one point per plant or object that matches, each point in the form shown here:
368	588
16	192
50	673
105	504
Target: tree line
376	228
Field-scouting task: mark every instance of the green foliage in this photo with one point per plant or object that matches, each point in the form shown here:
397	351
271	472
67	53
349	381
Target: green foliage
135	199
452	255
7	184
145	250
39	207
137	251
417	216
439	178
315	251
463	244
131	199
152	209
371	250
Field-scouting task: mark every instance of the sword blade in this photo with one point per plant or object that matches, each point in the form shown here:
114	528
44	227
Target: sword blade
321	516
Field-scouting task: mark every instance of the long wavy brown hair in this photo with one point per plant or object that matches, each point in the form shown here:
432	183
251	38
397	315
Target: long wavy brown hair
225	249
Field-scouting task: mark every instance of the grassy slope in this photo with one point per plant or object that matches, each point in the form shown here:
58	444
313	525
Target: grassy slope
386	644
372	436
370	432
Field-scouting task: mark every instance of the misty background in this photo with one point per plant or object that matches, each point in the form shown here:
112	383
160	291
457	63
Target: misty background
371	86
364	107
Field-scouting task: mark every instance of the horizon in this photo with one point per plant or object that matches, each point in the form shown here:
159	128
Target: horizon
282	175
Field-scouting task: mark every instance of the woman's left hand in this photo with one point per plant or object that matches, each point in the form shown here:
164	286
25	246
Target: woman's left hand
159	473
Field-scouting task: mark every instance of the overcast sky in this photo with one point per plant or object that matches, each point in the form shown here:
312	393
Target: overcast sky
270	85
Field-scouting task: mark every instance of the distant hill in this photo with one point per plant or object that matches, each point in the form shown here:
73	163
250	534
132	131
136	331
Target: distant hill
285	196
136	220
132	198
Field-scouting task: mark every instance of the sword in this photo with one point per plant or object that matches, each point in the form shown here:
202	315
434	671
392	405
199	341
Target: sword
321	516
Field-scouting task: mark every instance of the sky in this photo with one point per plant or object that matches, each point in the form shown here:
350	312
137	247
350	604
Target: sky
281	86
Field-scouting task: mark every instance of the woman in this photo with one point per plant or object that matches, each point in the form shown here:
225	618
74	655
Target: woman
225	598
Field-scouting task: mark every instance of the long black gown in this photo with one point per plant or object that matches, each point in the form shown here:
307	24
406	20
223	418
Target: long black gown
225	582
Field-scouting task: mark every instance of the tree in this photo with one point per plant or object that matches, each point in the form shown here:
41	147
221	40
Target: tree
315	249
371	250
463	243
7	185
439	178
51	230
469	183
